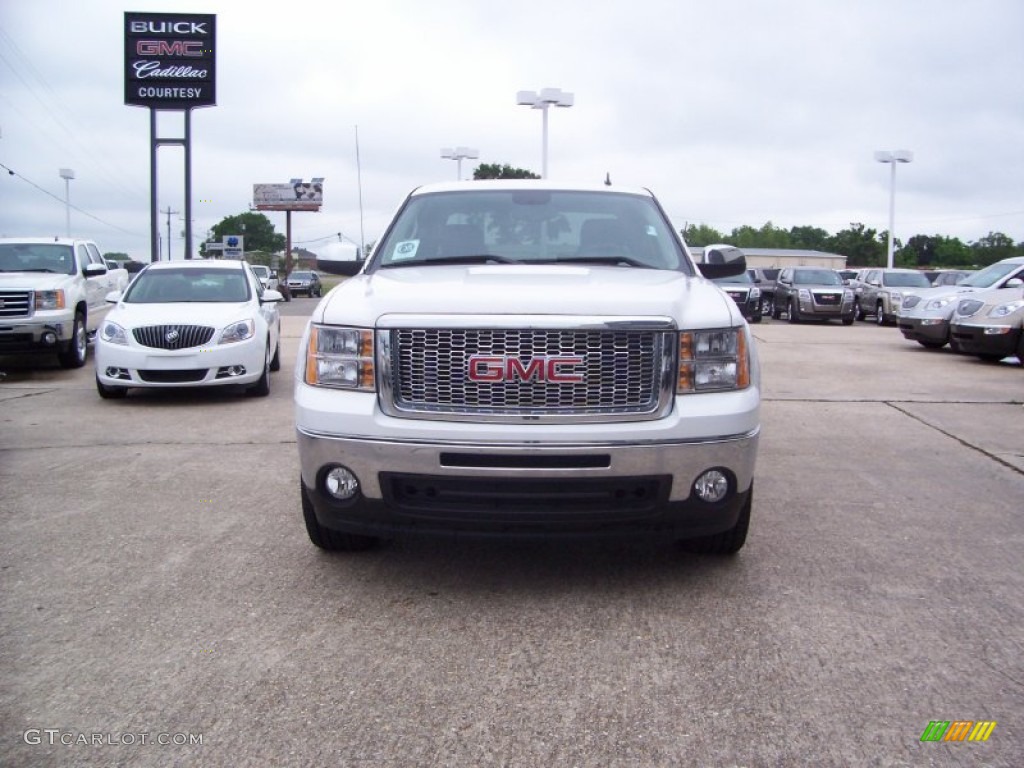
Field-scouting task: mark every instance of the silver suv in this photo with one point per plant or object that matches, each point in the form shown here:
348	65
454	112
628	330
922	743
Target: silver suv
812	293
879	292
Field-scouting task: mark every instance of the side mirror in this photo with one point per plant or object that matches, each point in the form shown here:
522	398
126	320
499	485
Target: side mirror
273	275
270	296
1014	282
722	261
94	270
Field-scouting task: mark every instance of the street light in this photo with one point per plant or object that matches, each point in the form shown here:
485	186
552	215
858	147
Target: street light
67	174
894	157
542	101
459	154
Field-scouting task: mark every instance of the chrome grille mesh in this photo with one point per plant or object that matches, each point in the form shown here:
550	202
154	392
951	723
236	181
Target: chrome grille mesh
15	303
173	336
621	372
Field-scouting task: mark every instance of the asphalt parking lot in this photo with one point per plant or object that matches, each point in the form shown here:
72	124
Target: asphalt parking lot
162	605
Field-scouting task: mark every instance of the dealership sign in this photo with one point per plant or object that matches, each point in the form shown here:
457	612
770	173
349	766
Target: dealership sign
169	60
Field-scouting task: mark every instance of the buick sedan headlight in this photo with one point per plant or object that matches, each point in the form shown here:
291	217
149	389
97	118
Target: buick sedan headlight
340	357
49	299
240	331
713	360
112	333
1006	309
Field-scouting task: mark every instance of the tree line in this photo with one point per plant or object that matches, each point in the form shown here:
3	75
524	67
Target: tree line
865	247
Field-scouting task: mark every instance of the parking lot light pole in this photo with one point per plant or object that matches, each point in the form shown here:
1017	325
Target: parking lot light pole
67	174
894	157
546	98
459	154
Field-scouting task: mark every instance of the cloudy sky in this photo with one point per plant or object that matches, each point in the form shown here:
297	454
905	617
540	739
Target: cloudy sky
735	112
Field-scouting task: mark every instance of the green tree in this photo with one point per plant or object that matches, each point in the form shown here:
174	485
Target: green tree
255	227
506	171
995	246
934	251
699	235
862	247
767	236
809	238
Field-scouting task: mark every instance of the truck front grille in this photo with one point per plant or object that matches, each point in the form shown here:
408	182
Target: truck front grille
173	336
15	304
527	372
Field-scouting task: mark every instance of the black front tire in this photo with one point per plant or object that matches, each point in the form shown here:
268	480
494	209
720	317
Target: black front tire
327	539
794	313
275	361
73	356
110	393
262	386
727	542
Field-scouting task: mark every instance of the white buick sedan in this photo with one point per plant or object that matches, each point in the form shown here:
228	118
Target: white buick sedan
190	324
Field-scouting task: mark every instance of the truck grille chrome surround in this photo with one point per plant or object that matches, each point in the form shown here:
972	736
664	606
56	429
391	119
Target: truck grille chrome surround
619	369
173	336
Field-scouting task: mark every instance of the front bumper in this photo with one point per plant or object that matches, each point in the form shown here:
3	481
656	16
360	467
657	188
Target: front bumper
136	366
43	334
600	488
829	311
929	328
985	340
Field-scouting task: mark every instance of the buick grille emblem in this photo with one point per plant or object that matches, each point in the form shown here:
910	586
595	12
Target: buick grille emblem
171	336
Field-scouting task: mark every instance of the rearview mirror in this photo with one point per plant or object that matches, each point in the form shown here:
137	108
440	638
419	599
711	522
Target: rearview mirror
722	261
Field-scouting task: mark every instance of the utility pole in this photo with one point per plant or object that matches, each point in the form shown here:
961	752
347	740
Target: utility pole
169	213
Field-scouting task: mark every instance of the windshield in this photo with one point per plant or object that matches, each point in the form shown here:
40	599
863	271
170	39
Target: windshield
260	271
531	226
905	280
37	257
173	286
301	275
990	275
816	277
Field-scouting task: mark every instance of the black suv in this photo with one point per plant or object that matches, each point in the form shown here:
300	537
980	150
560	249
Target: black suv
742	290
812	293
305	281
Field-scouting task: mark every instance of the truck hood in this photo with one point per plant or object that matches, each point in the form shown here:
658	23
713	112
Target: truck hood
32	281
528	289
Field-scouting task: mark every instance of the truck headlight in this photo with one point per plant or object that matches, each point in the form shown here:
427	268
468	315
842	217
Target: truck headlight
340	357
49	299
112	333
713	360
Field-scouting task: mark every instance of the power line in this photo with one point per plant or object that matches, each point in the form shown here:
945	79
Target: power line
64	202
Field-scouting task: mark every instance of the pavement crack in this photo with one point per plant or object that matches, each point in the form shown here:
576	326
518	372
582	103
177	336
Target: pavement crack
895	405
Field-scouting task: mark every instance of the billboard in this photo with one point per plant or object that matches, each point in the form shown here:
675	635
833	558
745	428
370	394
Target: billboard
169	60
295	196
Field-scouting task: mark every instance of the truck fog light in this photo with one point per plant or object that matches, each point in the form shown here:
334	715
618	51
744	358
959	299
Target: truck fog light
49	338
712	486
340	483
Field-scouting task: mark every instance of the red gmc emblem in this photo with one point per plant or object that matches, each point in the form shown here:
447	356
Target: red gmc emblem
558	370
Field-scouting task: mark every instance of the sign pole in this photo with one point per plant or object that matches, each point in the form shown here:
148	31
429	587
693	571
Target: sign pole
154	224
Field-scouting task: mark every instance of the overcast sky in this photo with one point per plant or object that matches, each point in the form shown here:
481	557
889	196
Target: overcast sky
736	112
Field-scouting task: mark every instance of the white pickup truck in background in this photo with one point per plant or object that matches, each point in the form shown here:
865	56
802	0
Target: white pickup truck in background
53	295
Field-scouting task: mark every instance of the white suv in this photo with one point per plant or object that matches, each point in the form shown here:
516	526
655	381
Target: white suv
522	357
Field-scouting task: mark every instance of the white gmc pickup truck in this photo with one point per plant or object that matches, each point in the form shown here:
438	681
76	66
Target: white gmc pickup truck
53	295
529	358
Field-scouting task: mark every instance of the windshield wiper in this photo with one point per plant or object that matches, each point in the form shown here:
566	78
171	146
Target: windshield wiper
617	261
483	258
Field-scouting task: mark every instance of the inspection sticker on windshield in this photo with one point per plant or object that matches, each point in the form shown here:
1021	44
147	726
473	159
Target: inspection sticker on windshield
405	250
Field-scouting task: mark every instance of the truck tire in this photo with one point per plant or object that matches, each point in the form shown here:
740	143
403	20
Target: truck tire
727	542
858	310
880	314
794	313
73	356
325	538
776	314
